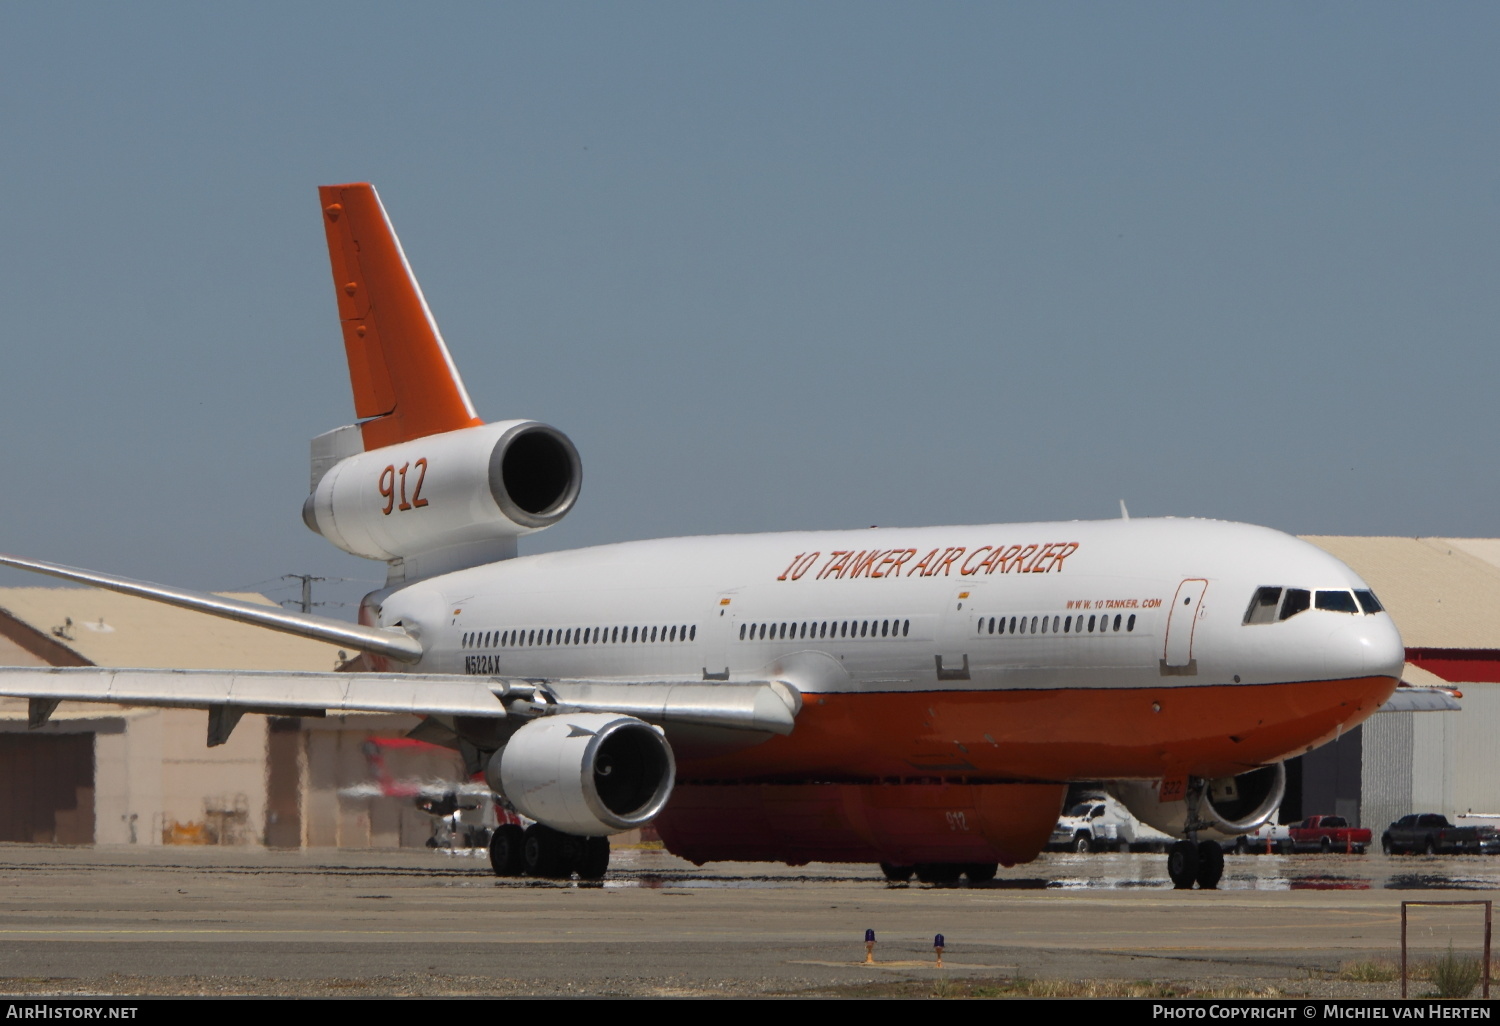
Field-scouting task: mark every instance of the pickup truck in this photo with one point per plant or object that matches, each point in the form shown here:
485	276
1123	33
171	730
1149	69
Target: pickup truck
1328	833
1431	833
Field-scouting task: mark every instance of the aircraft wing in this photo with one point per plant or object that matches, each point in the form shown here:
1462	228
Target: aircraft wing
758	706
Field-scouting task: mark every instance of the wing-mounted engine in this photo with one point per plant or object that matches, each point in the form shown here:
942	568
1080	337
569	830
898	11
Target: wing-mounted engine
444	501
586	774
1227	806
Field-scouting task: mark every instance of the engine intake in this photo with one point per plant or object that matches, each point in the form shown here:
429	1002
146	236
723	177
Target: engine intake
464	495
1229	805
589	774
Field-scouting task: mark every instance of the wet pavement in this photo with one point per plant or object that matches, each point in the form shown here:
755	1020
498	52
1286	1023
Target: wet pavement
238	920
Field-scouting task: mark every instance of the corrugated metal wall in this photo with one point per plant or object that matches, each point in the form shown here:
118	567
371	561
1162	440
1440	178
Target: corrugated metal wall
1385	776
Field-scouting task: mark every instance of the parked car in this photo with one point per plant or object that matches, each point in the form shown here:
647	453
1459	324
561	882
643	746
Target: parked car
1103	824
1263	840
1329	833
1431	833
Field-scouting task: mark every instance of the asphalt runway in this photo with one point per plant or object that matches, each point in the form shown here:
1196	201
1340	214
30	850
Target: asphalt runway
129	920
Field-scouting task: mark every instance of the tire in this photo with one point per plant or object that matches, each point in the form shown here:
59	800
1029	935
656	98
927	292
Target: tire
939	872
1241	845
1210	865
506	856
897	874
1182	864
1386	847
1430	848
981	872
1082	844
542	847
1325	846
594	861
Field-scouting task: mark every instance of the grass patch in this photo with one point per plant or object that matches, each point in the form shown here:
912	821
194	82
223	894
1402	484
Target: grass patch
1454	976
1375	970
1025	987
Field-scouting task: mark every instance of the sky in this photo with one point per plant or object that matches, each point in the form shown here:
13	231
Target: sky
771	266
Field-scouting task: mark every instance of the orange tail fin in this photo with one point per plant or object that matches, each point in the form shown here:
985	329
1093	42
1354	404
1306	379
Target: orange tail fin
405	384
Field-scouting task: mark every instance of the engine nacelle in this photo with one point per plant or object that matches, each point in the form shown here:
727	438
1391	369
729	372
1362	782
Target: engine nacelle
473	490
589	774
1229	806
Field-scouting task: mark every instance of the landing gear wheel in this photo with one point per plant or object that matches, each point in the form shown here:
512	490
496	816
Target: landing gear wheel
897	874
543	848
593	862
506	857
1210	865
1182	864
939	872
1082	845
981	872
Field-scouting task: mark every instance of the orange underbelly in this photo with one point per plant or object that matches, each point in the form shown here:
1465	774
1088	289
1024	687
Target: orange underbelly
1052	735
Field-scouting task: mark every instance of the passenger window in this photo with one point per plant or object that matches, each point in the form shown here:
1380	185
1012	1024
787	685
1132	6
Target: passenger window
1056	623
635	634
1296	601
1130	624
1033	625
992	625
1068	625
693	633
1337	602
742	632
1117	621
1044	625
1091	625
905	627
1368	602
1263	606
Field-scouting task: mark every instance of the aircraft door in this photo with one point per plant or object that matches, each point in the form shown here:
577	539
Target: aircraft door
1182	624
718	626
955	636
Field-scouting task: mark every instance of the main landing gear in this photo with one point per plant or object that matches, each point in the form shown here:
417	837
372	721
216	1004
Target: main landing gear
543	852
1201	863
941	872
1194	861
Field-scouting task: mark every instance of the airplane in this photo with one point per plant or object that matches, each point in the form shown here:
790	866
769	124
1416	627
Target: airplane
917	698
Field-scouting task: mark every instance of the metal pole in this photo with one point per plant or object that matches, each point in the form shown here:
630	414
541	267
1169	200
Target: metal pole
1403	951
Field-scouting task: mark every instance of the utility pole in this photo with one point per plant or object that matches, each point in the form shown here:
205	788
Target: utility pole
307	582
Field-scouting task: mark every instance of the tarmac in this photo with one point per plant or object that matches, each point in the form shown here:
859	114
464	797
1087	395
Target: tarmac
179	920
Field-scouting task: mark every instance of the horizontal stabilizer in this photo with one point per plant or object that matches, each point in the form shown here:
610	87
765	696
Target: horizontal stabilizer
375	640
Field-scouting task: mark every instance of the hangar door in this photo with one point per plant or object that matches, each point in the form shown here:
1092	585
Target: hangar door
47	788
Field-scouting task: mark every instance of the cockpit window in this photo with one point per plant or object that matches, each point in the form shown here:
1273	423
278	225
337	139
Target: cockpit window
1337	602
1368	602
1263	606
1297	600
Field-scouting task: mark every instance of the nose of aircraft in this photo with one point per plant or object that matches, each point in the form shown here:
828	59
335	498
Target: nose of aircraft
1369	647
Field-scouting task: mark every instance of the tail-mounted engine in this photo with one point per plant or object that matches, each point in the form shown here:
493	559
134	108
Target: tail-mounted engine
1227	806
589	774
449	500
